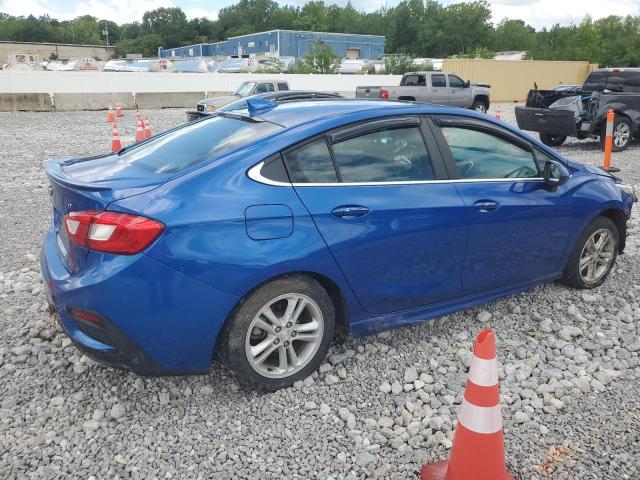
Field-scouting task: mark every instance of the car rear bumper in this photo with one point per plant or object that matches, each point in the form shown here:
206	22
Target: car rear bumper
155	320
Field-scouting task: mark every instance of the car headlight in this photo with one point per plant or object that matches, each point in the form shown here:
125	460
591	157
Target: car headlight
211	108
629	190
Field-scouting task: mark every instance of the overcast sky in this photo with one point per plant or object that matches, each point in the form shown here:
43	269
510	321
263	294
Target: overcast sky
538	13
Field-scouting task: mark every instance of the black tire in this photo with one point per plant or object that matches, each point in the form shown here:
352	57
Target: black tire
231	344
572	275
480	106
552	140
619	122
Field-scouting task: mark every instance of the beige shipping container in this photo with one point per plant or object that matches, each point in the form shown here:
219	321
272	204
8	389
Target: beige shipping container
511	80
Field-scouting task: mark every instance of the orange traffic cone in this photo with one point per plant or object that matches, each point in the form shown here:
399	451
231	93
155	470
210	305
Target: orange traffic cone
116	144
139	131
110	116
118	111
498	113
478	445
147	128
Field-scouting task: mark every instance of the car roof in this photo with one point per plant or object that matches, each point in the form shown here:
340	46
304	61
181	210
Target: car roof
291	114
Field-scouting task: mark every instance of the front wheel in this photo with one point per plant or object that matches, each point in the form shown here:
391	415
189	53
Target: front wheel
479	106
279	334
593	255
552	140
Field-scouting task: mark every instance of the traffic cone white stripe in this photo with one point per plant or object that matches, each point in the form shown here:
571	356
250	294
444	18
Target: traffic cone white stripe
480	419
482	372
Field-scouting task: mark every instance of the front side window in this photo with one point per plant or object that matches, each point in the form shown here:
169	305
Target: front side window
438	81
390	155
264	88
482	155
311	163
455	82
196	143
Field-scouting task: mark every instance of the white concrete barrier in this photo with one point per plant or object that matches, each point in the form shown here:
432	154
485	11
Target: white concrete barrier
149	82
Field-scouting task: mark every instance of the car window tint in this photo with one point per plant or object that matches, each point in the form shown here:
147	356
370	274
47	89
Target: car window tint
390	155
414	80
264	88
631	81
455	82
480	154
595	82
438	81
283	86
311	163
195	143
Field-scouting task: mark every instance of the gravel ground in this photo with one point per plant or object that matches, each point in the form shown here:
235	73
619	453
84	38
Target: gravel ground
379	407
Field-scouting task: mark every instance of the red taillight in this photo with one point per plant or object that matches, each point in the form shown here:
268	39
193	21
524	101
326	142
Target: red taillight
84	315
112	232
384	94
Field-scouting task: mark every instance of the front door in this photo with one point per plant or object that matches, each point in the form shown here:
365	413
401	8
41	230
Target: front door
518	230
459	93
398	236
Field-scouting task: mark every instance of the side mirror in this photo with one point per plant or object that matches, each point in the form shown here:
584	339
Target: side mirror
467	84
555	174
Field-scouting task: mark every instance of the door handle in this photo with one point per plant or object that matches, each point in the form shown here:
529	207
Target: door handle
349	211
486	206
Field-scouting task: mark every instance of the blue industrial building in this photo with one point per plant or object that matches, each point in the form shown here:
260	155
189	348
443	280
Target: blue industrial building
283	43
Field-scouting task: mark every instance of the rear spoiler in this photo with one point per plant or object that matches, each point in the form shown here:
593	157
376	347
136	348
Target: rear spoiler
53	169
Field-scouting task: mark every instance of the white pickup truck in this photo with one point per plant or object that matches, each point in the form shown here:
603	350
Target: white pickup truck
433	87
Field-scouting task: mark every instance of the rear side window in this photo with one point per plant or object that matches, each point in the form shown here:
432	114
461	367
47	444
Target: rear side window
311	163
196	142
390	155
482	155
438	81
630	81
414	80
283	87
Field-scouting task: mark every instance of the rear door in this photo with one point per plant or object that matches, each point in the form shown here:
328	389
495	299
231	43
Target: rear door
459	93
439	94
518	230
395	230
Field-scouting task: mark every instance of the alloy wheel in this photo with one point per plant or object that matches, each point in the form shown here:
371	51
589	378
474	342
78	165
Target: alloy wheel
481	108
597	256
621	134
284	335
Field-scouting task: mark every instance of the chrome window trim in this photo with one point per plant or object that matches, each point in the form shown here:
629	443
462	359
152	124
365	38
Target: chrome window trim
255	175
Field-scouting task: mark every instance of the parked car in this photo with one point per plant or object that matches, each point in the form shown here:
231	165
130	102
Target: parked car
256	235
246	89
434	87
280	97
582	113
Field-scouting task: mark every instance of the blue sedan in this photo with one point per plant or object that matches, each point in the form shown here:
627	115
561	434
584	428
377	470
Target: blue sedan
258	234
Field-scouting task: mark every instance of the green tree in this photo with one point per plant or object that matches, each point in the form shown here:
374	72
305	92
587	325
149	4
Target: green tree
399	64
320	59
170	24
513	35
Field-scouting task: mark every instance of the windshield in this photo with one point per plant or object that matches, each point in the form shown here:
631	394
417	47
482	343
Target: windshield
196	142
245	89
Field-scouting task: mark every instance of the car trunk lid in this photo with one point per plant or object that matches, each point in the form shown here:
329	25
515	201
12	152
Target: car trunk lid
90	184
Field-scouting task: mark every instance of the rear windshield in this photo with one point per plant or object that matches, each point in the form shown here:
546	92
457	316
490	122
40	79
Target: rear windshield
196	142
595	82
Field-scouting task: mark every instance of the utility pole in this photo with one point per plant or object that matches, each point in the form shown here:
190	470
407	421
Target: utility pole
105	32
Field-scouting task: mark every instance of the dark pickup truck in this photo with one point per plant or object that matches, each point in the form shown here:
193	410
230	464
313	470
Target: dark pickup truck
582	113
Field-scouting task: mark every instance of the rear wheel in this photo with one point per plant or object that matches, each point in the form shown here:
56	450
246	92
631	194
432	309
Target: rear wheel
280	334
593	255
552	140
622	134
